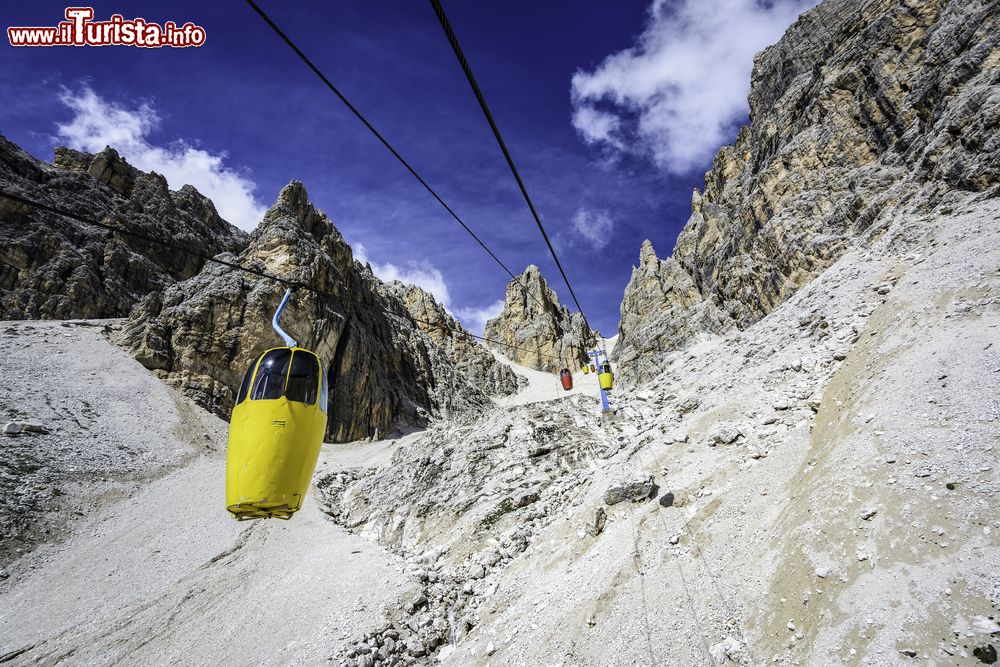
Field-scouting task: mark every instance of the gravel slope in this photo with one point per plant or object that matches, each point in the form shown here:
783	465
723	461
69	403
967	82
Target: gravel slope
877	387
156	572
825	486
111	426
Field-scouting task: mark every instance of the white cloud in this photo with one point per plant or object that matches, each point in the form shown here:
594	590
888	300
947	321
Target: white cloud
474	319
426	276
597	126
595	226
422	274
676	93
98	123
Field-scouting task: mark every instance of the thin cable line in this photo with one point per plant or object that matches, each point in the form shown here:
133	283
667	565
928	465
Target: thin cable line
336	91
639	450
453	40
371	128
641	570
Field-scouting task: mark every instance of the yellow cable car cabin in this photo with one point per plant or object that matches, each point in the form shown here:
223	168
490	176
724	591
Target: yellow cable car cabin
275	434
606	378
276	431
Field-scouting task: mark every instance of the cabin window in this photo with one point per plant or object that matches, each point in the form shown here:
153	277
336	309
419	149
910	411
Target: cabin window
245	387
271	374
303	378
324	389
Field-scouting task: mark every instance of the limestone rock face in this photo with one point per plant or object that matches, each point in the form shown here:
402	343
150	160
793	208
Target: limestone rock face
53	267
470	358
662	310
536	330
202	334
857	114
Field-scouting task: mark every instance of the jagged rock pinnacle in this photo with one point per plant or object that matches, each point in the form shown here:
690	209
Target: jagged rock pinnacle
646	254
535	329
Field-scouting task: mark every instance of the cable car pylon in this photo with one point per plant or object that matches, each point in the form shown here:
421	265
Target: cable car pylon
605	377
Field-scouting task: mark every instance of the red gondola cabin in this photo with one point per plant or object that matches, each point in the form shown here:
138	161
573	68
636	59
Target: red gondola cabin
566	378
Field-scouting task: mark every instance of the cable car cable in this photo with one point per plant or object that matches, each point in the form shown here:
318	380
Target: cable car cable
453	40
267	19
378	135
208	258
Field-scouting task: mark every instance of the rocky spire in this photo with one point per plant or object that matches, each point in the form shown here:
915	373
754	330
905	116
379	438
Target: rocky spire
646	253
538	331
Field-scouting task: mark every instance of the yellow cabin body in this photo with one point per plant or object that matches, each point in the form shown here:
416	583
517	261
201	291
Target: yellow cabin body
275	434
607	380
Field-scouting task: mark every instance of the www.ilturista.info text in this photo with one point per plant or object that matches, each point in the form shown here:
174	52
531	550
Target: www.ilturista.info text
79	29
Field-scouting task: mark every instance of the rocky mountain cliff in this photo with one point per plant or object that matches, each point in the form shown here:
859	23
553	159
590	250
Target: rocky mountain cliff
536	330
858	114
470	358
385	373
53	267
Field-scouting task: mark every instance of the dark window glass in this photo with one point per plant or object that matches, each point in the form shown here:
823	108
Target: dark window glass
271	372
303	378
324	391
245	387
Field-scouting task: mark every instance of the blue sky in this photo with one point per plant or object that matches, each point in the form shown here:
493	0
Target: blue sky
611	110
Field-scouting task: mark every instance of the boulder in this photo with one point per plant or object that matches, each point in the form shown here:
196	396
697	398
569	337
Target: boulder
724	434
19	427
595	526
636	487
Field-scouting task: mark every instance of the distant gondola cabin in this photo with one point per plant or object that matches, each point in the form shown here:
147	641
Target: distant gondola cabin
566	378
606	378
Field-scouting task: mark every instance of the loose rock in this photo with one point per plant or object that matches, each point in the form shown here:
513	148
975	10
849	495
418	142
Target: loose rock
595	526
637	487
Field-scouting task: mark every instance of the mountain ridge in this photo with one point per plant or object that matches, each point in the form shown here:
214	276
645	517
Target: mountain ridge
386	375
855	117
53	267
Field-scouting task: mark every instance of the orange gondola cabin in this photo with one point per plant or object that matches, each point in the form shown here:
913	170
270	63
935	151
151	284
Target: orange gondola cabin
566	378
